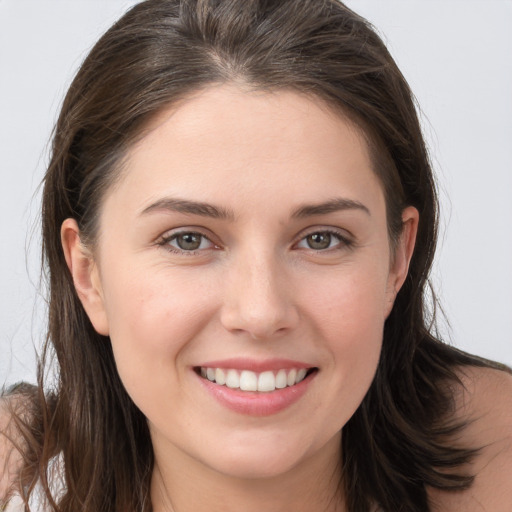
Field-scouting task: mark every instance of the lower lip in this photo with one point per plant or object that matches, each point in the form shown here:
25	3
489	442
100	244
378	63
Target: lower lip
254	403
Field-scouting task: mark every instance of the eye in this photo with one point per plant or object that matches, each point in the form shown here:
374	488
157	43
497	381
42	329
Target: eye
323	240
187	241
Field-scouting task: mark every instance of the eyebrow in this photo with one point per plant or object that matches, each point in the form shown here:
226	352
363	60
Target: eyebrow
209	210
333	205
189	207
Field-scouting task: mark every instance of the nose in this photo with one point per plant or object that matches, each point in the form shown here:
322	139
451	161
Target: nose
258	299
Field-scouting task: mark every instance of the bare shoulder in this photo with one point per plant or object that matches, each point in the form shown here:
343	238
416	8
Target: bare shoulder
14	406
9	456
485	401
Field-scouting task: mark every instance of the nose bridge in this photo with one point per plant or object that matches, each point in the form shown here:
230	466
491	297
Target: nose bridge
258	299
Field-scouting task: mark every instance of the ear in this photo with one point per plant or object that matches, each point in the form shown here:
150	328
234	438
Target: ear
85	274
403	253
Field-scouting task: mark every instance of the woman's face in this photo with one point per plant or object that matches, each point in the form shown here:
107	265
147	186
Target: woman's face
244	246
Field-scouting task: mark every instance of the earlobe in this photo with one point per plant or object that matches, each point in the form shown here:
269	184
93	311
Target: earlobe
403	252
85	274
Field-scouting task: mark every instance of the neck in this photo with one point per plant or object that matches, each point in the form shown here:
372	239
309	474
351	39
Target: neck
183	484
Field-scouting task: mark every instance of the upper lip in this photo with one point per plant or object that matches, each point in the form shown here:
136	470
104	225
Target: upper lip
258	366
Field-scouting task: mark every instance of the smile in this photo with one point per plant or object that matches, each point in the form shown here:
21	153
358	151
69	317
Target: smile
247	380
256	387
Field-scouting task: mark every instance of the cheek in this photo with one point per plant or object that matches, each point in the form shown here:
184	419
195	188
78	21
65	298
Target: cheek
351	305
349	315
152	319
153	306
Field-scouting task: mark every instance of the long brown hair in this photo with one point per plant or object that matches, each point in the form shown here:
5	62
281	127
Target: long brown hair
157	54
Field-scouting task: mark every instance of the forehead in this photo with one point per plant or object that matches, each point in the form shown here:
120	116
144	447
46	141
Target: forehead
225	139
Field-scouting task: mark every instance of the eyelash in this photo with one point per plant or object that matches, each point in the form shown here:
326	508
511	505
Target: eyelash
343	242
165	242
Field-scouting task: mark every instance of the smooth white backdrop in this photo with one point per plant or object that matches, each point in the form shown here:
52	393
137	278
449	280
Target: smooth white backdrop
457	57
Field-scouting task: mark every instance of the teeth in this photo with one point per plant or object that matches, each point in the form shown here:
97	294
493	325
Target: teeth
247	380
281	379
266	381
220	376
300	375
232	379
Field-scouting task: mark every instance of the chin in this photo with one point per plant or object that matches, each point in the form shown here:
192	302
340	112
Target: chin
262	458
256	467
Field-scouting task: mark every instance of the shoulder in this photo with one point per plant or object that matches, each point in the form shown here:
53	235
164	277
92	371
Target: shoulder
9	457
484	401
15	407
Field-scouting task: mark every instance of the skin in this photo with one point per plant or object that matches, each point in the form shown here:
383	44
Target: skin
10	459
255	288
296	476
11	442
485	398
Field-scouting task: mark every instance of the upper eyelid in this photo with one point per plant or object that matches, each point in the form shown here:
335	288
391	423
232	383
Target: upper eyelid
165	240
346	241
342	233
177	234
172	233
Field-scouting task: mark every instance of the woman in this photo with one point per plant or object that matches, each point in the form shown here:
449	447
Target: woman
239	218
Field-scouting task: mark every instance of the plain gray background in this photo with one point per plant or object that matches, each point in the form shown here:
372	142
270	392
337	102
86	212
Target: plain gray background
457	57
